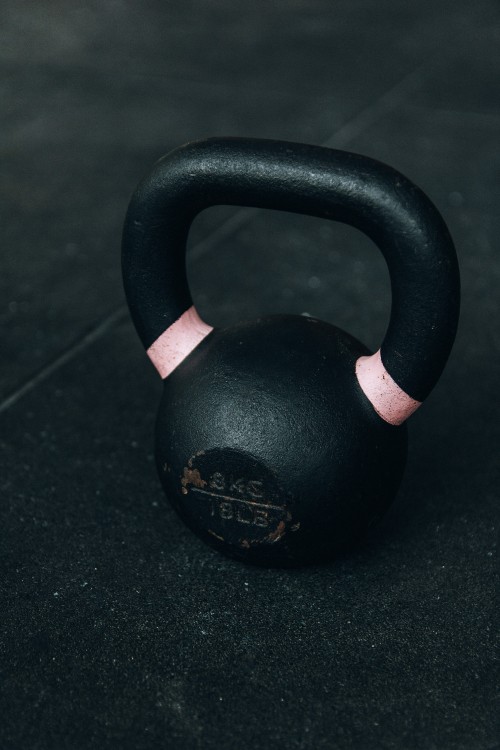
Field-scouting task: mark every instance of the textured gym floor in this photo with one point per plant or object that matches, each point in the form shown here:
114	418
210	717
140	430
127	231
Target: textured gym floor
119	628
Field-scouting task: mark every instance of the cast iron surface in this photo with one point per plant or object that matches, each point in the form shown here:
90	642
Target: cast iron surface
305	179
277	403
269	449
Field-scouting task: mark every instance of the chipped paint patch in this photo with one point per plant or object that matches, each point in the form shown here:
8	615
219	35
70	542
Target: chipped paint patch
193	477
277	534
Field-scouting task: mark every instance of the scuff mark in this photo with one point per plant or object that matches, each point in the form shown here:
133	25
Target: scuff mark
220	538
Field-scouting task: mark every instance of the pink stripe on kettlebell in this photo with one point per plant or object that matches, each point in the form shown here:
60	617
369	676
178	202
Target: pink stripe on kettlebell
387	398
179	340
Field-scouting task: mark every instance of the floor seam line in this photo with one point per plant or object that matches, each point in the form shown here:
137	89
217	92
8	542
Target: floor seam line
93	335
381	106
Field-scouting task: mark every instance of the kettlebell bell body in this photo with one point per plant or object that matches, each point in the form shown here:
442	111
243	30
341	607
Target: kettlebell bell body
281	441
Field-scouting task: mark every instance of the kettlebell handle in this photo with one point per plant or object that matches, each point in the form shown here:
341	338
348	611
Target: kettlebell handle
312	180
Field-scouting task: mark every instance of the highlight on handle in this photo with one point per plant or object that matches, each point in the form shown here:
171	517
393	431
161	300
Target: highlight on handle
337	185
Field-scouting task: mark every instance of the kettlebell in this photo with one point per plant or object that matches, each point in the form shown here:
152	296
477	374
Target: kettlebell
281	441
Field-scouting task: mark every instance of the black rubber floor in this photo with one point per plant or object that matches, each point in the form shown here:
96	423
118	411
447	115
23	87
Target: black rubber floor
118	628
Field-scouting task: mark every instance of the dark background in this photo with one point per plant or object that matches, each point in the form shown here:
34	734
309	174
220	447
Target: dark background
119	629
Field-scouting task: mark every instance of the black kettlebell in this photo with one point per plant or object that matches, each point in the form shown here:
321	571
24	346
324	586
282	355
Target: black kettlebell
281	441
